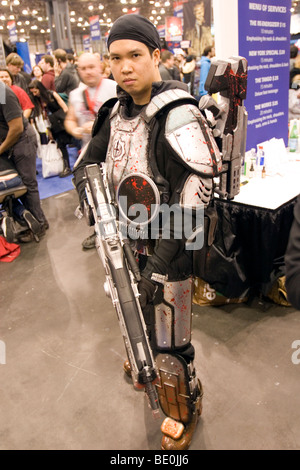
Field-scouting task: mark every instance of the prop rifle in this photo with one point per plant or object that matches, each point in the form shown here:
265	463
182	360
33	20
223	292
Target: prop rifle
229	79
122	277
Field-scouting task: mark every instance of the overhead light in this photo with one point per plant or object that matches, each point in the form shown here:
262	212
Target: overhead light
4	3
16	2
25	12
90	7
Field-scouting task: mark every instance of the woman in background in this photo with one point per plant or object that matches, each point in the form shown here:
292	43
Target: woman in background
56	110
24	100
37	72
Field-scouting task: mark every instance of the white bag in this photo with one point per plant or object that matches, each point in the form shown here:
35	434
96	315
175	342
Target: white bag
40	124
52	160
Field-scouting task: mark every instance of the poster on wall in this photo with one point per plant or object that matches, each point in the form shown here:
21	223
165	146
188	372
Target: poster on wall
197	25
264	40
173	28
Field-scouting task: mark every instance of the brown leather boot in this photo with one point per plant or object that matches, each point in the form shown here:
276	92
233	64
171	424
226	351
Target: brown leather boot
184	441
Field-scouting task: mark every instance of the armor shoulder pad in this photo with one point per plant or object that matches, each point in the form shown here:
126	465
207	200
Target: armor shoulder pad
191	138
164	99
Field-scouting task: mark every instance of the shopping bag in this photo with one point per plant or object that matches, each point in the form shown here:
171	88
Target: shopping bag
52	161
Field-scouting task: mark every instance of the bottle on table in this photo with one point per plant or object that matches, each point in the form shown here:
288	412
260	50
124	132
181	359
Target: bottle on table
293	138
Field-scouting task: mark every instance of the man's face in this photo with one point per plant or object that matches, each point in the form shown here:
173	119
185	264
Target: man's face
44	66
199	11
89	69
14	69
134	69
5	78
170	63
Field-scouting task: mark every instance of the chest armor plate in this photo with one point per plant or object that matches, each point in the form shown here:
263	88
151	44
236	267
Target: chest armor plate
128	148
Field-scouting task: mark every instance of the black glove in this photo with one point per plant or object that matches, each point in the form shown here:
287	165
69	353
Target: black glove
147	290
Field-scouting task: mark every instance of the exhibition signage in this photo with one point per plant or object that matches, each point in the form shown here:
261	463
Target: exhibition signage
12	31
86	43
95	28
173	28
264	40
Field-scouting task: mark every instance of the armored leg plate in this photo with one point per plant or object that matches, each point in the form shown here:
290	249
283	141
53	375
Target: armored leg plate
178	389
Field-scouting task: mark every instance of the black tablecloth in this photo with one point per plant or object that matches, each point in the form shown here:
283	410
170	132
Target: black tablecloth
248	249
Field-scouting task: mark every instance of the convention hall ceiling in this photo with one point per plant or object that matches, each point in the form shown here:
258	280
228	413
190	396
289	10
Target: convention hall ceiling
31	15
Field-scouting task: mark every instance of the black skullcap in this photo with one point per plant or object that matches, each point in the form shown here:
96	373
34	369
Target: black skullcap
135	27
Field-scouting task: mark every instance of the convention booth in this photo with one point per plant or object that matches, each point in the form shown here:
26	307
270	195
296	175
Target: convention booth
253	228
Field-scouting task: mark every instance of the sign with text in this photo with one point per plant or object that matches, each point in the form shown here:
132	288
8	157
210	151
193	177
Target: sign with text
264	40
86	43
12	31
95	28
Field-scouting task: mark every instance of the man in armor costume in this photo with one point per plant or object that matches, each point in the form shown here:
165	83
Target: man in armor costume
155	128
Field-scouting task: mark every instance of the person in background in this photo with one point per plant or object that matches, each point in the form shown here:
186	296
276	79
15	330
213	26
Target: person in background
293	55
208	54
37	73
47	65
294	98
292	260
166	65
18	140
84	104
56	110
24	100
71	65
65	79
188	72
15	63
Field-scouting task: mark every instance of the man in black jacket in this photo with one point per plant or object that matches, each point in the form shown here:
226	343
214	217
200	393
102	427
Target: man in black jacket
66	80
123	137
292	260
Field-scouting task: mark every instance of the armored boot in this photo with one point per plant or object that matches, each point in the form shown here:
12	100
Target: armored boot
180	396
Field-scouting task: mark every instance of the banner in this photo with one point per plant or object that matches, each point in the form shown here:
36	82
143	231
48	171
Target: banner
23	51
86	43
12	31
264	40
197	25
95	28
161	30
173	28
178	9
49	47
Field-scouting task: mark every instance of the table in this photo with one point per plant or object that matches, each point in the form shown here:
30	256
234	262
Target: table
252	234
